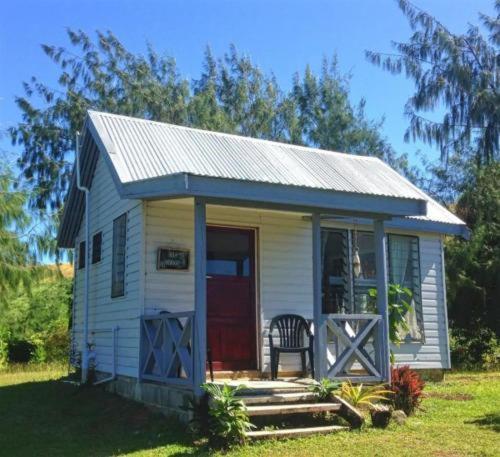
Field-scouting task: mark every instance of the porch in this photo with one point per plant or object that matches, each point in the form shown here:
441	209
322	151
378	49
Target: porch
174	345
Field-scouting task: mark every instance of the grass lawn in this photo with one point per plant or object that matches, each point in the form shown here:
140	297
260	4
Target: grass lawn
41	416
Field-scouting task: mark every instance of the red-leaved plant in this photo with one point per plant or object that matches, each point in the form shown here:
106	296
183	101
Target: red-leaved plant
408	387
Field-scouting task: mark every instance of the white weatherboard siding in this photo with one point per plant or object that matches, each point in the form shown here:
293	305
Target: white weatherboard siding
284	273
284	263
106	312
434	352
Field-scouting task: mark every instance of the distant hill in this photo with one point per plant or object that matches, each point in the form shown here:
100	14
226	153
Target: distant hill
66	269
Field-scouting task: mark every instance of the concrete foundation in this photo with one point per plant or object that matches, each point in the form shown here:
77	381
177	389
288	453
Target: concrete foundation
432	374
170	400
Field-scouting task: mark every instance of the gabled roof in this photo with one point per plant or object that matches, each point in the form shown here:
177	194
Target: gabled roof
142	149
150	159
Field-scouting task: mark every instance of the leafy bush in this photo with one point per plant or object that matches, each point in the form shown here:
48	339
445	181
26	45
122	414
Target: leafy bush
34	325
360	395
4	349
56	344
479	350
324	389
20	351
407	388
399	303
227	417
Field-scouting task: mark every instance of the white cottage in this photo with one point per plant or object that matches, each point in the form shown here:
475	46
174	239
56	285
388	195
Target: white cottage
189	242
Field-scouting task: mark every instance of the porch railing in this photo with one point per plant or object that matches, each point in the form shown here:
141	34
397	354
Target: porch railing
354	347
167	345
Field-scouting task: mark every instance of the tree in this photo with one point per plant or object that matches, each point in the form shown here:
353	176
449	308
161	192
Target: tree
231	95
17	265
459	72
473	267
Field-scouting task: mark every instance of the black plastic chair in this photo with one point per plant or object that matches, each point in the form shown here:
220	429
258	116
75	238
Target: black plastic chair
292	329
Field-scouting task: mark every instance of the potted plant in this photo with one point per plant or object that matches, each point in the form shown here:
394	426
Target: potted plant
381	415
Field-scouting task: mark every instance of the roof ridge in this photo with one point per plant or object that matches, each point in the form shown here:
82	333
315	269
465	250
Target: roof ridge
241	137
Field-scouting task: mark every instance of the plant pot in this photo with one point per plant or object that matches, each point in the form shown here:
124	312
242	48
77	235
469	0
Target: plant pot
381	416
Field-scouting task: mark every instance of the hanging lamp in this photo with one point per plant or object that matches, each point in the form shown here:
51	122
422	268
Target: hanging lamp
356	261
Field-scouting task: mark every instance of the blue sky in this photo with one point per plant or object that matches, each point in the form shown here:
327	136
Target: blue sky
282	36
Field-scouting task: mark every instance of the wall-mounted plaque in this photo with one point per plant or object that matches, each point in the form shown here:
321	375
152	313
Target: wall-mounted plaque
172	259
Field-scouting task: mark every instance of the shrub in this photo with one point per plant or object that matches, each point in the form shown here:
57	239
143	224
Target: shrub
227	417
57	344
360	395
474	350
324	389
4	351
20	351
407	388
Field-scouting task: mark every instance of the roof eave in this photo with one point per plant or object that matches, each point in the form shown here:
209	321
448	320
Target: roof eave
444	228
289	197
414	225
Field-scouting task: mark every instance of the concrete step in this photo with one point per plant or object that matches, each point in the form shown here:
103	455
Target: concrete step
294	432
302	408
279	398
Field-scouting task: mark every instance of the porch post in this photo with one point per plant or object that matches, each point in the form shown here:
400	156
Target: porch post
319	322
200	295
382	297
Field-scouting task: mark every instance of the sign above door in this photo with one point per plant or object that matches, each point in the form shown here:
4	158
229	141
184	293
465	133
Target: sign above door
172	259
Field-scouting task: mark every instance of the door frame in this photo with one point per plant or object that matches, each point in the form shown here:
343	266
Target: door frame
256	283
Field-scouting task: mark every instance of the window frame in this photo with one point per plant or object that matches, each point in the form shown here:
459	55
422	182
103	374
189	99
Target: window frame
94	255
115	291
82	255
417	290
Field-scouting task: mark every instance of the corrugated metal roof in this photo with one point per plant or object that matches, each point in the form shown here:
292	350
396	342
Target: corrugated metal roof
141	149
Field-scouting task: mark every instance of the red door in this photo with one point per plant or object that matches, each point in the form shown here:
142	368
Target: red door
231	319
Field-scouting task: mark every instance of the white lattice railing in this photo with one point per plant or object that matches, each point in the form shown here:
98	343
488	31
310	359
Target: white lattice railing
354	349
167	344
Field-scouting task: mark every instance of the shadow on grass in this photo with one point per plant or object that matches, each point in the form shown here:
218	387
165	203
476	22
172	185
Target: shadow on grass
490	421
57	419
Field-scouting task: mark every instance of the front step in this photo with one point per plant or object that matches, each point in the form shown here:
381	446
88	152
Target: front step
279	398
295	412
300	408
294	432
268	390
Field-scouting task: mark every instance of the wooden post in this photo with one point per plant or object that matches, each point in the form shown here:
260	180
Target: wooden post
200	295
319	321
382	297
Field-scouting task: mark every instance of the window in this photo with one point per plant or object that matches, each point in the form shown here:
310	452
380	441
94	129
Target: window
367	278
96	247
335	271
404	269
343	292
81	255
118	259
228	252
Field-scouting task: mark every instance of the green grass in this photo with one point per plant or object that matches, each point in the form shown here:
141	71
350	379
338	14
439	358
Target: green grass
44	417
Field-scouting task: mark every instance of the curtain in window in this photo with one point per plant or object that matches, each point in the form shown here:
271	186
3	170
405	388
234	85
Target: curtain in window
402	271
335	275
